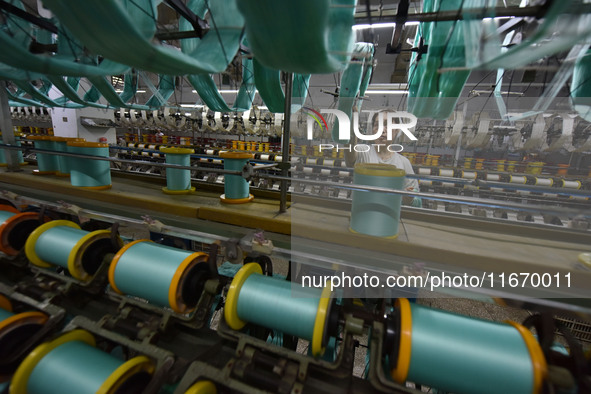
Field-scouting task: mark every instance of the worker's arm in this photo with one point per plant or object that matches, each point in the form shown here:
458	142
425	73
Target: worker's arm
411	185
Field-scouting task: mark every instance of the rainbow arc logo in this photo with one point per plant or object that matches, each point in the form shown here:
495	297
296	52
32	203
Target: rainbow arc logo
317	117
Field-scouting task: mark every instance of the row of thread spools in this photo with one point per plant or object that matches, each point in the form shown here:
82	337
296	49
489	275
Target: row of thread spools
96	174
83	172
260	151
523	179
259	146
442	350
248	146
500	165
19	132
90	173
330	167
165	276
337	167
501	177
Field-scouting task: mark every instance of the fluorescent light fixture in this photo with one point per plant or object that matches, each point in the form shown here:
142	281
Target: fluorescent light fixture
498	18
192	106
388	86
374	26
381	25
137	91
262	107
386	92
226	91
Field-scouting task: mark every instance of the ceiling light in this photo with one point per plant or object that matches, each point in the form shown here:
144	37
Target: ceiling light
386	92
221	91
388	86
137	91
228	91
498	18
381	25
192	105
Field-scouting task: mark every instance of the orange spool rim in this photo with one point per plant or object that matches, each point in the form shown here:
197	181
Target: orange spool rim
400	373
8	208
20	319
8	226
5	303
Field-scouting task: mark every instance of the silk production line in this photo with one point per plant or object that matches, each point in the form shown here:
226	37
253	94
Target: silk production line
95	303
105	298
518	187
478	177
156	237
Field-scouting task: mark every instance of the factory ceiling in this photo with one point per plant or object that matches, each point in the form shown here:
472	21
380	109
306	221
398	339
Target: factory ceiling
392	65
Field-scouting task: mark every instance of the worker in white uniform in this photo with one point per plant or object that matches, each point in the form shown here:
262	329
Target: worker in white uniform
378	153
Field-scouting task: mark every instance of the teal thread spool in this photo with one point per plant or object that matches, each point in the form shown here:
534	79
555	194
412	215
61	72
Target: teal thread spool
21	160
235	186
161	274
6	212
73	360
5	309
63	243
376	213
280	305
60	144
46	163
465	355
178	181
89	173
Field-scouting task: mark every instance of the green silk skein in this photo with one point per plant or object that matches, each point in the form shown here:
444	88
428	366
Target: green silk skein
581	86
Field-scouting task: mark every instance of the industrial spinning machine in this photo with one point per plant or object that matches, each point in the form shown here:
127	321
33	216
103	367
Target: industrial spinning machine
187	311
165	240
